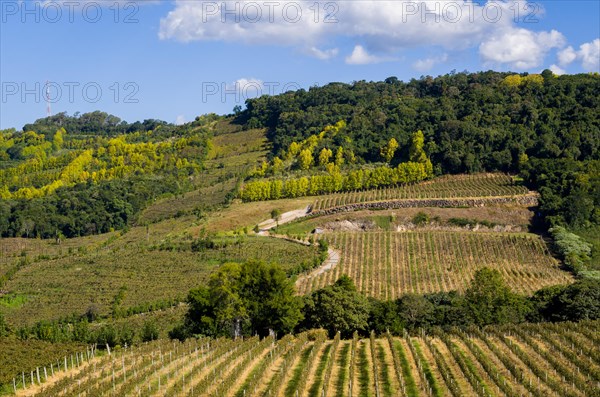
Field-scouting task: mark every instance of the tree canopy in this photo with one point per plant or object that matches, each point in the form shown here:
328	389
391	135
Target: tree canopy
243	299
337	308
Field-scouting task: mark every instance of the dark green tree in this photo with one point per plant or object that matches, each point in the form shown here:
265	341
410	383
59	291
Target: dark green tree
416	311
337	308
490	301
579	301
149	331
242	300
384	316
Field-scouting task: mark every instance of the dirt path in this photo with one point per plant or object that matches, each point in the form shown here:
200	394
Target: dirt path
286	217
333	259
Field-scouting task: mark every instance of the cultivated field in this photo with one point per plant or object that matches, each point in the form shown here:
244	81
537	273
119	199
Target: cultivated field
389	264
161	270
538	360
450	186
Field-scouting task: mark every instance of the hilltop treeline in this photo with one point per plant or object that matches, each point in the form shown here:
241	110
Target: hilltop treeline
472	121
94	123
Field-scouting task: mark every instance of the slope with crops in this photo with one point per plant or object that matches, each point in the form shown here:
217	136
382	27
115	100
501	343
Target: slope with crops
539	360
390	264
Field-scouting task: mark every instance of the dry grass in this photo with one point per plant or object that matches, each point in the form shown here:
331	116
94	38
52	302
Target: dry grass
239	215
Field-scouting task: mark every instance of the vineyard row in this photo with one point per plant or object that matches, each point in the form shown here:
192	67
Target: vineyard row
387	265
532	359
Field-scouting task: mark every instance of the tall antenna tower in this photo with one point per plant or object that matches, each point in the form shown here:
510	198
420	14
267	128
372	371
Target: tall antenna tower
47	96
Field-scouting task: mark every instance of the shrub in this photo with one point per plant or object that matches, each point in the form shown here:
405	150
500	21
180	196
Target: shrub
575	252
420	219
149	332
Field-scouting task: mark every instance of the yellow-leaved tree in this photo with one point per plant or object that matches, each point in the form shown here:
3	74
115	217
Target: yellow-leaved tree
58	140
305	159
417	153
324	156
388	151
339	156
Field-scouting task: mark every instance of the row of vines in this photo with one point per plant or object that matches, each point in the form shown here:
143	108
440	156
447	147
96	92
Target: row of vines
387	265
450	186
532	359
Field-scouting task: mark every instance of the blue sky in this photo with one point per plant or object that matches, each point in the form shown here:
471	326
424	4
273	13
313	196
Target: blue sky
174	60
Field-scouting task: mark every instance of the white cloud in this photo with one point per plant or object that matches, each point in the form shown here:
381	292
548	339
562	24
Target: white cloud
245	88
240	21
360	56
424	65
566	56
322	54
520	48
383	27
180	120
588	54
557	70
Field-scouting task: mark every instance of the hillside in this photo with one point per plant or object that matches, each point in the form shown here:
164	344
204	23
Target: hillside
455	217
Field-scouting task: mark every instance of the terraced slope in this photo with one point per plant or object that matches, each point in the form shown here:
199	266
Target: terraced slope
446	187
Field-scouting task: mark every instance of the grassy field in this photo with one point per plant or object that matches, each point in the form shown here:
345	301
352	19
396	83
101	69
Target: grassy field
539	360
449	186
16	250
389	264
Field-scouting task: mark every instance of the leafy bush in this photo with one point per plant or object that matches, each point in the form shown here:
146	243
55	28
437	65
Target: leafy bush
420	219
575	252
202	244
149	332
